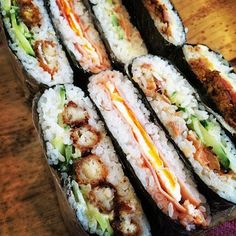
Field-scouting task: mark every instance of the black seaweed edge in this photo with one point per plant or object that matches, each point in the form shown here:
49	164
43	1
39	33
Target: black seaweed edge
46	87
29	84
80	75
165	225
178	59
35	116
117	64
141	18
38	128
219	204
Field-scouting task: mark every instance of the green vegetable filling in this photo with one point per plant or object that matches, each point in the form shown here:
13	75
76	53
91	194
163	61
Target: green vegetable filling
19	30
58	143
114	20
202	130
6	5
68	151
62	95
116	24
22	33
91	211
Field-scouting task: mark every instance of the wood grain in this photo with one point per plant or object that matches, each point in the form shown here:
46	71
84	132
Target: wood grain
28	204
210	22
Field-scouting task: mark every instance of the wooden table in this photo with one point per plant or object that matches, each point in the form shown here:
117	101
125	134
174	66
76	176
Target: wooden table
28	204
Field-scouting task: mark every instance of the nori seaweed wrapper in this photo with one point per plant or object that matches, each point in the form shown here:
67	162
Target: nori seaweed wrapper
27	82
77	68
221	210
179	60
117	64
81	76
72	223
114	60
160	223
154	40
68	214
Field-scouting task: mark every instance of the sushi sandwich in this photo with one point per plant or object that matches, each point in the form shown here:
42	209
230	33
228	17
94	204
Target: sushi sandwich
193	127
78	147
153	159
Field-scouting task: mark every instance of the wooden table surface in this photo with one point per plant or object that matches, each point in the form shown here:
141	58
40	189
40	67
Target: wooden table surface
28	204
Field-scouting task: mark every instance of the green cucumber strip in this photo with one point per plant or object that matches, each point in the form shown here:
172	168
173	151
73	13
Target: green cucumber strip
77	193
102	219
211	141
62	95
114	20
58	143
208	125
85	189
91	211
24	28
216	146
172	96
115	23
28	35
23	42
121	33
68	152
196	127
6	5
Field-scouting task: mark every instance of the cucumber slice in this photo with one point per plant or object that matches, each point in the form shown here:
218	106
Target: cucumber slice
24	29
173	97
208	125
91	211
102	219
58	143
176	98
68	152
6	5
183	109
23	42
121	33
114	20
77	193
62	96
217	147
210	141
196	127
115	23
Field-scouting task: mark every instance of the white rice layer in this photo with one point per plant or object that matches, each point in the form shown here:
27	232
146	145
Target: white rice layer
71	39
49	106
43	32
216	61
177	37
122	133
173	82
125	50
